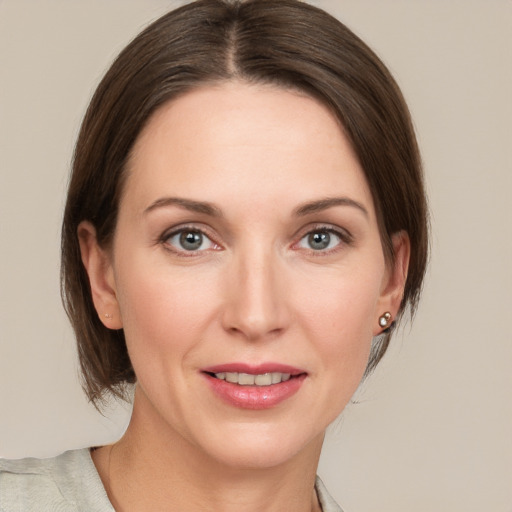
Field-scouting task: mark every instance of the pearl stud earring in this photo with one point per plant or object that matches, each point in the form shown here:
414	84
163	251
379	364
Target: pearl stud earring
385	320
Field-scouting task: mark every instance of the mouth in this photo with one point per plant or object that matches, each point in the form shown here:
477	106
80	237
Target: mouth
259	387
247	379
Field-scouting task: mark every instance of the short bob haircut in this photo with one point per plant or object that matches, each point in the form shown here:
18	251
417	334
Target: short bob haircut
286	43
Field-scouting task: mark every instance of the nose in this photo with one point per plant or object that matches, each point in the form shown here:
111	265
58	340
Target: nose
256	297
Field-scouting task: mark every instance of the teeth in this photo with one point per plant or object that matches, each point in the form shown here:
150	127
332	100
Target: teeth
246	379
263	380
230	377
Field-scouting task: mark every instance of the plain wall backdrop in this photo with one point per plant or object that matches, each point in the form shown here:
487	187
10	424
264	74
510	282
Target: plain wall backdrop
432	428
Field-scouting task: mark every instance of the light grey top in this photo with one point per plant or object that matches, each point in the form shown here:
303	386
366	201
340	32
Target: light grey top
70	483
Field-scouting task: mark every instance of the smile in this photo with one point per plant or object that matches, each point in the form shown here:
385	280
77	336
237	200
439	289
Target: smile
254	387
247	379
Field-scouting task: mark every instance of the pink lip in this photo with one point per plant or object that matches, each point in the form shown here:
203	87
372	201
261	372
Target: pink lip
254	397
254	369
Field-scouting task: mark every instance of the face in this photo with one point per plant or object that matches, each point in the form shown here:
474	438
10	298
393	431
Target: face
246	271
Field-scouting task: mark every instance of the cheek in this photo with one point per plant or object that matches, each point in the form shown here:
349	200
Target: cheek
162	310
340	317
345	303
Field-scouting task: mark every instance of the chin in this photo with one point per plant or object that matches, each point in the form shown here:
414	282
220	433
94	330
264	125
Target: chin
257	446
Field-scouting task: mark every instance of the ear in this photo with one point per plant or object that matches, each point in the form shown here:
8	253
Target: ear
393	284
97	263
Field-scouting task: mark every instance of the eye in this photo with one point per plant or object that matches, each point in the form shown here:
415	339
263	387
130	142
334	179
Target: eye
189	240
320	240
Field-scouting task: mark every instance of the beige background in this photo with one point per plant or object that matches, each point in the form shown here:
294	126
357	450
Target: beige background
433	427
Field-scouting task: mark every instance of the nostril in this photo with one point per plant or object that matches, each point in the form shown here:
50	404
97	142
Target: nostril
254	308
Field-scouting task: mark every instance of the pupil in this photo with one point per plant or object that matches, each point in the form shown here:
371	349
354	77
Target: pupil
319	240
191	240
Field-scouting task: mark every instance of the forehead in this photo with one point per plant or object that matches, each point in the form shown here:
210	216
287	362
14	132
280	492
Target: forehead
235	139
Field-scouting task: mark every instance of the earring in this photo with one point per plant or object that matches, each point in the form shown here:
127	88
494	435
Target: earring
109	315
385	320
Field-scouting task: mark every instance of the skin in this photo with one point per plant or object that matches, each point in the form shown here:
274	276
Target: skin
256	291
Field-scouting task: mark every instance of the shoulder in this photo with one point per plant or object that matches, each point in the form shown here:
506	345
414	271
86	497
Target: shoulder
326	500
66	483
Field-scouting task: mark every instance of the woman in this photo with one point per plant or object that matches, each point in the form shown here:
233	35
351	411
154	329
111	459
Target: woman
245	223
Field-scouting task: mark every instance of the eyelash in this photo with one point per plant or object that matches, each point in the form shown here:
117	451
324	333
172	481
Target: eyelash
345	238
164	240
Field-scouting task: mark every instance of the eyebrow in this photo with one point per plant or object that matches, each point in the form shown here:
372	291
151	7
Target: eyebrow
329	202
187	204
209	209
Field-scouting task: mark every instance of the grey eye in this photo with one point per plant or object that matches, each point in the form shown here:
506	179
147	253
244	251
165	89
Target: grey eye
190	240
320	240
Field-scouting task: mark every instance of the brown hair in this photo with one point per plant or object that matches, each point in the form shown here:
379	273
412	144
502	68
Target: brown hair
284	42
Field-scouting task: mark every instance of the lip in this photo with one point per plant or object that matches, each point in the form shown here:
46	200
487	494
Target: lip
254	397
257	369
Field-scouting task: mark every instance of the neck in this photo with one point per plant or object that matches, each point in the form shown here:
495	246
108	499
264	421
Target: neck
153	468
